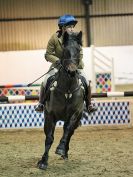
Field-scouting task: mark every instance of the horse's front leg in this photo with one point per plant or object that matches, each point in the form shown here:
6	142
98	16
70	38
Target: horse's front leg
49	128
71	132
63	147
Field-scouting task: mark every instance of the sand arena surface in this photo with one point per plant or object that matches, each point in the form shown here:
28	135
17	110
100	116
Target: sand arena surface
93	152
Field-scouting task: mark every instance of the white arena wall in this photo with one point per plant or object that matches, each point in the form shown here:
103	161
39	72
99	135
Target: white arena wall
23	67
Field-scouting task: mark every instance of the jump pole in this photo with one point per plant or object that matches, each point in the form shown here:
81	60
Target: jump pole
112	94
19	98
36	97
17	86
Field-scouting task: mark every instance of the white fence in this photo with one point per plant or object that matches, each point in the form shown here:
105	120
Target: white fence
101	64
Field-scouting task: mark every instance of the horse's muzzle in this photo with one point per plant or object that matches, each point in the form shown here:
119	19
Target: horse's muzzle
72	67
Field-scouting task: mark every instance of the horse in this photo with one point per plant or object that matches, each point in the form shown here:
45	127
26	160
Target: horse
66	99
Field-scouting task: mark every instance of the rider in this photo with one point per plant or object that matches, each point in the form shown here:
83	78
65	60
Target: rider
54	53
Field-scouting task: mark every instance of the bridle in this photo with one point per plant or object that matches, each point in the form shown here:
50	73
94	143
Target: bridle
66	68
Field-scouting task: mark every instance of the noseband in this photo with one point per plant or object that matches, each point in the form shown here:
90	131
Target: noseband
70	68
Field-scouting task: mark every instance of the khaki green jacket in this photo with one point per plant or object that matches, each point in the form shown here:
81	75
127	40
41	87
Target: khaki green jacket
54	50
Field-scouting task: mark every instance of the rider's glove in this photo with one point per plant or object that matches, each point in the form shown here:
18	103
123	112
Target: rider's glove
57	62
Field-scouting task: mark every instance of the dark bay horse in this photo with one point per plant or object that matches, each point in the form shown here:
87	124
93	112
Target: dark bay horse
66	99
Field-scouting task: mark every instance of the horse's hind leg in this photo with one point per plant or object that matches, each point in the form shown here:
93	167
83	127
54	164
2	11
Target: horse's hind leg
49	127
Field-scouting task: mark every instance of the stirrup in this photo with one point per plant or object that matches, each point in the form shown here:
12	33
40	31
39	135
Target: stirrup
91	109
39	107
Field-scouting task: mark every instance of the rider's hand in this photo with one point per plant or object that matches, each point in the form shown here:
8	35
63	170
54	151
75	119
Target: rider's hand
57	62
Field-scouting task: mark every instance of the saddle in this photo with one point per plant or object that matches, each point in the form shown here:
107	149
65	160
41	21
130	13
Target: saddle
49	83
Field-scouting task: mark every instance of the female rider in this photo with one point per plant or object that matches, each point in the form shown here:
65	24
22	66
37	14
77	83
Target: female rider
54	53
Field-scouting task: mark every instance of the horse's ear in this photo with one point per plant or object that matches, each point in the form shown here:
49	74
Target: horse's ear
65	37
79	37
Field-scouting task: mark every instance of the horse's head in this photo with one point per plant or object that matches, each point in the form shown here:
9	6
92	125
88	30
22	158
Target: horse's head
71	54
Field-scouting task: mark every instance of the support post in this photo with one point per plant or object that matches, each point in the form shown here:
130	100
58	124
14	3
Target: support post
87	4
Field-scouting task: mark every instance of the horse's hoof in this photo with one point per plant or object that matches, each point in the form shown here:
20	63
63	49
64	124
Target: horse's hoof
64	157
60	152
41	165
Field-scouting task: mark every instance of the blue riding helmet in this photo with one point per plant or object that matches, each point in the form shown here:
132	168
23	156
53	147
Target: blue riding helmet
67	20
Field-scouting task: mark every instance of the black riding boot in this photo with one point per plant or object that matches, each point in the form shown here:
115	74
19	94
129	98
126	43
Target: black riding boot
40	106
90	107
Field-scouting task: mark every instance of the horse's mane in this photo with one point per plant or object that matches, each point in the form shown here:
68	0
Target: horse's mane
73	36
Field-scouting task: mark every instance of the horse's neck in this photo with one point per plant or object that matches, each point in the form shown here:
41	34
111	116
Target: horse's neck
65	82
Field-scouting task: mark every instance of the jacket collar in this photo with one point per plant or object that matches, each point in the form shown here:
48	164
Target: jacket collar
60	39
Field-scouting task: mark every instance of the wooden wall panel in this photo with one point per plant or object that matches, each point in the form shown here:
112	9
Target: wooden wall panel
28	24
112	31
111	6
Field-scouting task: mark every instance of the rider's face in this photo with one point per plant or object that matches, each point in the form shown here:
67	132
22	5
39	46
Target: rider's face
69	28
